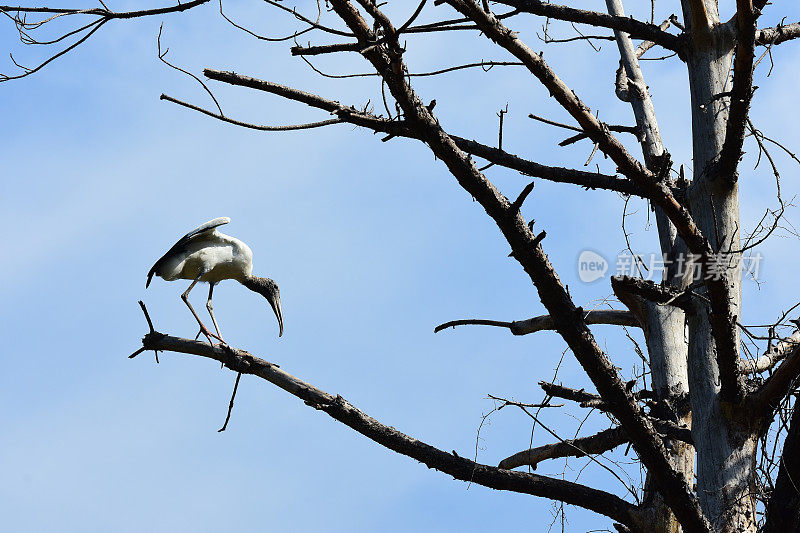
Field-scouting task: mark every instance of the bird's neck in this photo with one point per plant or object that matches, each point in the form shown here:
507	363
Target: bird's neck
250	281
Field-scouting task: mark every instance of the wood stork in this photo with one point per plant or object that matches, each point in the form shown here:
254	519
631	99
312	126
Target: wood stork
205	254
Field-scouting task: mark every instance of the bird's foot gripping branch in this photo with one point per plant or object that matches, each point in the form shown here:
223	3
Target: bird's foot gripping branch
233	359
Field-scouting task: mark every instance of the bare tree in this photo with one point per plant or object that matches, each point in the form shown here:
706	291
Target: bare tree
710	431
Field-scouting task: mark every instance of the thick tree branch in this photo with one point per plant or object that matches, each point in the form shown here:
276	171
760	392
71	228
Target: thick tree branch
637	93
650	291
723	322
611	317
741	93
460	468
325	49
778	385
595	401
601	442
636	28
777	35
653	186
772	357
568	393
589	180
527	250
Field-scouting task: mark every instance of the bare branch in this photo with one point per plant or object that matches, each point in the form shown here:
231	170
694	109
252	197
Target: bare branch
741	94
459	467
546	323
554	123
768	396
777	35
524	408
723	322
103	15
162	57
589	180
314	24
453	24
619	129
568	393
773	356
293	35
647	45
601	442
650	291
218	116
28	71
636	28
325	49
486	66
527	249
412	18
700	22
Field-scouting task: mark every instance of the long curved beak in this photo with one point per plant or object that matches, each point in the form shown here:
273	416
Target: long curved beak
274	299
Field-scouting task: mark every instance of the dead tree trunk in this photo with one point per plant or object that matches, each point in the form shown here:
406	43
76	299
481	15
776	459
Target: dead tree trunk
724	439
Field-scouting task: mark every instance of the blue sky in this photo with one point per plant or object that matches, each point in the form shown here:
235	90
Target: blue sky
373	244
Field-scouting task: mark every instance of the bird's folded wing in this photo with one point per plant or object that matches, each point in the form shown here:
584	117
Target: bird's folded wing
211	224
183	241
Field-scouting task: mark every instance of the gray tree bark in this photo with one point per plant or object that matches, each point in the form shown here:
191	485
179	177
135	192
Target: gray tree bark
725	445
663	326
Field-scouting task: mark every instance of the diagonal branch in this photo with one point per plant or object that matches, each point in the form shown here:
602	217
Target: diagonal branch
773	356
723	322
741	93
595	401
654	186
601	442
527	249
778	385
637	93
636	28
460	468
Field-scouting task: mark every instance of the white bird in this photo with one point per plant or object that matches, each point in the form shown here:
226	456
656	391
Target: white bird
205	254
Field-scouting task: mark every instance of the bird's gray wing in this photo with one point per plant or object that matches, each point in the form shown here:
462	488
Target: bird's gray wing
183	241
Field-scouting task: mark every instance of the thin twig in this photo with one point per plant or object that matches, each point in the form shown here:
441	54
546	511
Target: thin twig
230	405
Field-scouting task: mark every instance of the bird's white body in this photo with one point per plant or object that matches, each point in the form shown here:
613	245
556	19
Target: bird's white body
205	254
214	255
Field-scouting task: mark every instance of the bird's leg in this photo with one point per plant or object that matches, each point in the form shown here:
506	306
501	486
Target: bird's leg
211	311
185	298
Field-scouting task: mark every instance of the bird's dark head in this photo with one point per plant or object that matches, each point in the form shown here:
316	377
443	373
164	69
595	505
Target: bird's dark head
269	290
